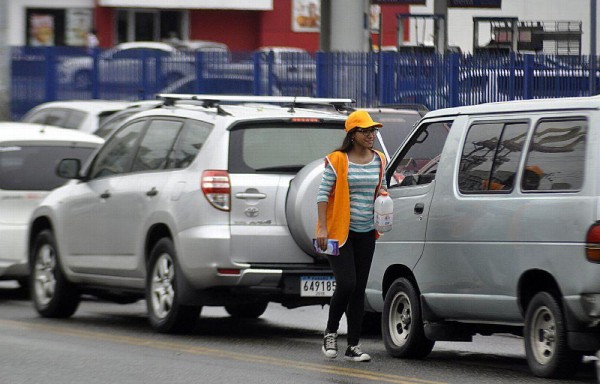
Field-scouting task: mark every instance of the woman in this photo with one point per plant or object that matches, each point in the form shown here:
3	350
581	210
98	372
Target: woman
351	182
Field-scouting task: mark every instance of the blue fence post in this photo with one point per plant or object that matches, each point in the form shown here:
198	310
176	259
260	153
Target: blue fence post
321	75
143	90
454	83
50	53
512	78
94	78
160	79
199	84
382	78
528	77
257	73
270	72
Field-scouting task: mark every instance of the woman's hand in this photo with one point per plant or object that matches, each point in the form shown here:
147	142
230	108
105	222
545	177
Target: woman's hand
381	189
322	238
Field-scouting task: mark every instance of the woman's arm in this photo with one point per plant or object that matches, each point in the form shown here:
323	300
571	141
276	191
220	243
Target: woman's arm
322	218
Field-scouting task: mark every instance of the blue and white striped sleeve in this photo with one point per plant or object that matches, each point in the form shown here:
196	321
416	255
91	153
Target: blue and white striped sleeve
327	182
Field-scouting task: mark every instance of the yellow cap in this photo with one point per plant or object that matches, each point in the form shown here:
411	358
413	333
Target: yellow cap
360	119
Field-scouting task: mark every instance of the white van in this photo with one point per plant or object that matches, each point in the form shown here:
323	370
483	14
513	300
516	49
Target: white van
496	230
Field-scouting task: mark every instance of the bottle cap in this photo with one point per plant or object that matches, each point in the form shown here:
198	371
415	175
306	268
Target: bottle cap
384	193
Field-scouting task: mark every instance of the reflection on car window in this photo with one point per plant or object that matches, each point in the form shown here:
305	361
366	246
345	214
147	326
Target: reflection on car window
117	154
556	156
490	156
156	145
74	120
190	141
57	117
32	168
418	161
280	148
396	127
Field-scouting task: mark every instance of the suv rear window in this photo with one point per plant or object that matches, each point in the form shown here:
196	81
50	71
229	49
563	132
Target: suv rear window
281	147
32	168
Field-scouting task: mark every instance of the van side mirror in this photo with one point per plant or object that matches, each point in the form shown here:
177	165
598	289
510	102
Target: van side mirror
69	168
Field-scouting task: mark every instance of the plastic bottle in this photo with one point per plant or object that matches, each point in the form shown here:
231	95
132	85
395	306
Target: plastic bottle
384	212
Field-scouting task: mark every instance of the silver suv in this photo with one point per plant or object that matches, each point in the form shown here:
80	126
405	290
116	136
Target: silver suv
191	205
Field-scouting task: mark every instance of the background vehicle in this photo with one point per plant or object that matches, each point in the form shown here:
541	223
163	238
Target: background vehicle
189	206
83	115
28	155
495	231
109	124
118	65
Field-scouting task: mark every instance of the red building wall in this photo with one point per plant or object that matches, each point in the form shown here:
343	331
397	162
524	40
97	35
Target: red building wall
238	29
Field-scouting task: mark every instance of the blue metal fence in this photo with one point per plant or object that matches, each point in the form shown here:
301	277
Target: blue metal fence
437	81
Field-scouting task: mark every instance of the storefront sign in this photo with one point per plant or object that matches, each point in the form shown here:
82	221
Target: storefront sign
475	3
79	23
252	5
400	2
41	30
306	15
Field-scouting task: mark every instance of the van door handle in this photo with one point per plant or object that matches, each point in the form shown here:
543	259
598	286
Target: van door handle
419	208
248	195
152	192
105	195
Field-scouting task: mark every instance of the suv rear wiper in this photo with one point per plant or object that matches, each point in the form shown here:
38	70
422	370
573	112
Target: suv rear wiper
281	168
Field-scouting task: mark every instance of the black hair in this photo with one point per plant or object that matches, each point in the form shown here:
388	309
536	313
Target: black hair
348	143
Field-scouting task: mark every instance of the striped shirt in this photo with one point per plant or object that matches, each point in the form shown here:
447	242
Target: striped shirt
362	181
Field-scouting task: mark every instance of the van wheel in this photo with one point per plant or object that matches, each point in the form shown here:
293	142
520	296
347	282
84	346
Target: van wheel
402	323
51	293
165	312
546	347
252	310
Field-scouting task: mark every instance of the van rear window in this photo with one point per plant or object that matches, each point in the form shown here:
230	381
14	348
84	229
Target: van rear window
32	168
281	148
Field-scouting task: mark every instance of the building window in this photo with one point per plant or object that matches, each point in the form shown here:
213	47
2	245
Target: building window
150	25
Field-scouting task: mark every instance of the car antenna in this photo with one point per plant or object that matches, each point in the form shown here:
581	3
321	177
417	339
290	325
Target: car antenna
291	110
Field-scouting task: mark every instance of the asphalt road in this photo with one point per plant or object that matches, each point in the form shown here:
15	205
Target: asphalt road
110	343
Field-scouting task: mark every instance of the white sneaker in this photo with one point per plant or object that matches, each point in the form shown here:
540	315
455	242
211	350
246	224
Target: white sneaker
329	347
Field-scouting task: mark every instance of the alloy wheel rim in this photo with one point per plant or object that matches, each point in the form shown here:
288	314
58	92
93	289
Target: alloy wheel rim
400	320
543	335
45	274
162	286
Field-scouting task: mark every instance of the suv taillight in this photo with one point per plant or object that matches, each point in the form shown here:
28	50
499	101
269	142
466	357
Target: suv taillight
216	188
592	246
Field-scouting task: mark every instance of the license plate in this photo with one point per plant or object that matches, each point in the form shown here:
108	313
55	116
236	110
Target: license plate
317	286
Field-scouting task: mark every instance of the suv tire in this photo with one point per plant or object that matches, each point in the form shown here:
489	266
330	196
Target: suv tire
52	295
402	322
165	312
251	310
546	346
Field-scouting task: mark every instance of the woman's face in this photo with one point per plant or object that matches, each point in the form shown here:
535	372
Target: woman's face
365	137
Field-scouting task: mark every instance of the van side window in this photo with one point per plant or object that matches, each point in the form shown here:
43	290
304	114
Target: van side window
556	156
491	156
419	161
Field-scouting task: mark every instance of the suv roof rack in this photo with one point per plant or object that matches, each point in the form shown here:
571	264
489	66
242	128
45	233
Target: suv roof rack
216	100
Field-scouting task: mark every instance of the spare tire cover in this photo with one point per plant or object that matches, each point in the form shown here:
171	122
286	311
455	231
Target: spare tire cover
301	204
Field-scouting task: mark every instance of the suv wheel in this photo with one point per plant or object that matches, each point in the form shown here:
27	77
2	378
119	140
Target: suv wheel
402	323
51	293
252	310
165	311
546	346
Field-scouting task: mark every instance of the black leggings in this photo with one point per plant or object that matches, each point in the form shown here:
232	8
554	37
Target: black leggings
351	270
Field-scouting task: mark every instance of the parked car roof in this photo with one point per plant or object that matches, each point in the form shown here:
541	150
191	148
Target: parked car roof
19	131
83	115
147	45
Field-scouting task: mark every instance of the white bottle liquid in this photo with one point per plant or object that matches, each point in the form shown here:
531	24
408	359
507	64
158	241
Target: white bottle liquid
384	212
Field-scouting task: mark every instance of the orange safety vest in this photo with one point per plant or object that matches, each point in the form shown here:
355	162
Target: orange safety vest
338	208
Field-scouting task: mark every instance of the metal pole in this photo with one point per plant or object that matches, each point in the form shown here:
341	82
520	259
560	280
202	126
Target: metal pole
593	8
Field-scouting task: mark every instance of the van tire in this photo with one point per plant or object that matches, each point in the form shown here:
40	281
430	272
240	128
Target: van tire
52	295
402	322
546	344
165	311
